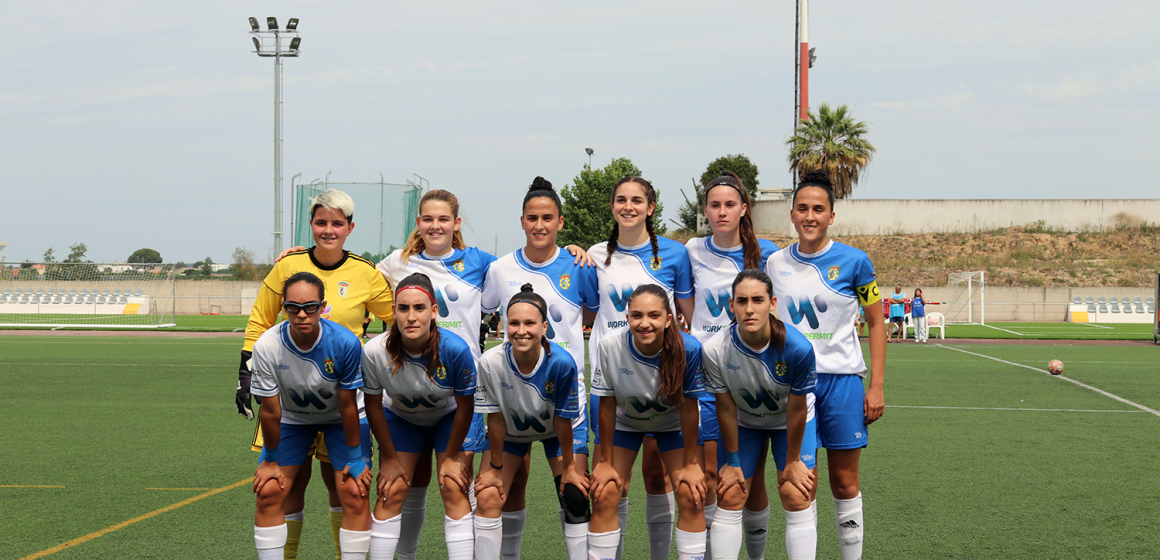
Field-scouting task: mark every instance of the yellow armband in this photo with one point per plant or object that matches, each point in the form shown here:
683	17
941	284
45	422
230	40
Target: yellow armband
868	294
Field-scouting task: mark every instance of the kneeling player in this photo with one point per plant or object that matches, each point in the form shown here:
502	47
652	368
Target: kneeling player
763	374
319	365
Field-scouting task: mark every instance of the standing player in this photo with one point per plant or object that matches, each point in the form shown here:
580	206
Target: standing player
762	372
648	381
355	287
308	370
715	261
820	282
635	255
569	289
429	374
523	383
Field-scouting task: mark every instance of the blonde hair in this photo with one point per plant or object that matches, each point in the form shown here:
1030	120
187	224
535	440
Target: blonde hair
415	244
333	199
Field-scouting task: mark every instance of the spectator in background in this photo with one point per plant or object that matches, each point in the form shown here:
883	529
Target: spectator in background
918	313
897	312
860	320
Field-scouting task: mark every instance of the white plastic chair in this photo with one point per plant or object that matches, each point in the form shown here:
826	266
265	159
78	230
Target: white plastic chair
934	321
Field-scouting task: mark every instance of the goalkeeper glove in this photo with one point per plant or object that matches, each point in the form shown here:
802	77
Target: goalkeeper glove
242	399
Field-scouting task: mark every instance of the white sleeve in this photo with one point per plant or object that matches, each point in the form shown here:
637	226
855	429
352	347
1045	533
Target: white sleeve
263	382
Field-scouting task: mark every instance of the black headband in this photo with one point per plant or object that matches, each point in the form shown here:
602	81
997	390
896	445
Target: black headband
543	312
727	181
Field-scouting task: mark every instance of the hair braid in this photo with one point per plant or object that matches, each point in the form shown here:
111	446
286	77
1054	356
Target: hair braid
612	242
652	237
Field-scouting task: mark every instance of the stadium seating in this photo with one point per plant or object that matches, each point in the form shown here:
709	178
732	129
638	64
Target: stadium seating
1089	300
1150	309
40	291
1127	308
1148	300
1114	307
1101	300
1091	308
139	293
24	298
92	299
68	300
1103	307
105	292
124	299
116	291
84	291
100	300
51	291
936	321
3	298
35	299
1113	299
19	291
7	291
72	291
1077	300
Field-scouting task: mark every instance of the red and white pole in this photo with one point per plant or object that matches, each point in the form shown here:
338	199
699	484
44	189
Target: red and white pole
804	60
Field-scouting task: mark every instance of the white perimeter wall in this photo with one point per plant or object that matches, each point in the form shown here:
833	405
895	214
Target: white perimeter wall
896	217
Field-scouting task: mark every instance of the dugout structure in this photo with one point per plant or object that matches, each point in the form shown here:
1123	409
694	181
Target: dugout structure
967	303
88	295
384	215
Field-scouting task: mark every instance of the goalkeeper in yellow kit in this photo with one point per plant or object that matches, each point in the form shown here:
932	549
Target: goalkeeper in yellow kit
354	286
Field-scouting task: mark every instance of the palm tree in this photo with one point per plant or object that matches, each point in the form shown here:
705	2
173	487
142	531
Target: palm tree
831	140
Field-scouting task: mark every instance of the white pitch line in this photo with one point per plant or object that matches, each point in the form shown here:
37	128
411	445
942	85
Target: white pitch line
1004	330
1081	384
1025	409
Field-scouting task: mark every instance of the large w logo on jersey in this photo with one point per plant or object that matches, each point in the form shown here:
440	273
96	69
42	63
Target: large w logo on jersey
417	401
805	310
308	398
620	299
643	406
452	295
718	304
525	423
762	398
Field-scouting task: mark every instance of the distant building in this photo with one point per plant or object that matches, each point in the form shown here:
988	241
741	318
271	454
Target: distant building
2	246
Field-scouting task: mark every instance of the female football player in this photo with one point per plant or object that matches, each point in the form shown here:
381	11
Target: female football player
355	287
319	364
523	383
429	374
569	289
762	372
648	381
820	283
635	255
715	260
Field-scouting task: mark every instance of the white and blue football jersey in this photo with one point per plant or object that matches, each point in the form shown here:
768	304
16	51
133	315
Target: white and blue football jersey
633	378
631	267
414	396
458	279
819	294
714	270
307	382
567	287
760	381
528	402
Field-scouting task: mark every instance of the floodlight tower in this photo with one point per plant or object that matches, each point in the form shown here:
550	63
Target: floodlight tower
269	44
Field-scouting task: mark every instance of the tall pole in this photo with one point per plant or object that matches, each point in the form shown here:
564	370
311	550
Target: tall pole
804	60
277	143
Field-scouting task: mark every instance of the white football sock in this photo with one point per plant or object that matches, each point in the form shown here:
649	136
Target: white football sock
727	534
355	544
488	537
622	517
414	512
513	533
270	541
471	496
659	510
691	546
460	537
848	514
576	540
603	546
385	537
756	524
710	511
801	534
295	517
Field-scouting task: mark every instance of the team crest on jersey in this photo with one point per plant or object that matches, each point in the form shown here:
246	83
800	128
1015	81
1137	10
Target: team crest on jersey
343	287
780	369
551	386
458	265
440	372
565	281
833	274
655	264
329	365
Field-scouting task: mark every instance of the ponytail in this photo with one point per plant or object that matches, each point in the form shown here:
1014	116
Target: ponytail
749	244
526	295
673	362
394	340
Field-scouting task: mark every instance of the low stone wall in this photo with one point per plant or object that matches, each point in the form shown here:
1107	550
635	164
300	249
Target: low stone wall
1014	304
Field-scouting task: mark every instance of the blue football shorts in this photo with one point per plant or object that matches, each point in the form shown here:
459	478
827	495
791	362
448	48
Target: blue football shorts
840	411
751	442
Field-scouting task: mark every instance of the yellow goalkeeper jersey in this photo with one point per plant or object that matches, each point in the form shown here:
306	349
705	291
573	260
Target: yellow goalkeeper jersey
353	286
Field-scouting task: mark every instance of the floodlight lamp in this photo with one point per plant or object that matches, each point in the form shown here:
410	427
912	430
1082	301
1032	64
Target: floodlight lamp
812	57
588	151
257	45
292	24
272	23
295	42
254	24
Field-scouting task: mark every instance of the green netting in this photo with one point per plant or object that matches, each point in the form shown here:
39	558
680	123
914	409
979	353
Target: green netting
384	215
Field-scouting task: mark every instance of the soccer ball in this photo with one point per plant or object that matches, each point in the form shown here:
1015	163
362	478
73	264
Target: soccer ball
1055	367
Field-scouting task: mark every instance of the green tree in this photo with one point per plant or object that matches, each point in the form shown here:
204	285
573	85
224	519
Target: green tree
207	267
739	164
145	256
587	215
76	253
49	256
833	141
243	265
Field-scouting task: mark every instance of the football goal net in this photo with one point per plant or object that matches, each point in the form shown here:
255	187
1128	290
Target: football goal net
384	215
967	298
87	295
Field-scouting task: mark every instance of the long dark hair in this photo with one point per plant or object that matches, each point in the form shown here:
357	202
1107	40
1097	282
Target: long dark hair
526	295
394	341
651	196
749	244
672	352
542	187
776	327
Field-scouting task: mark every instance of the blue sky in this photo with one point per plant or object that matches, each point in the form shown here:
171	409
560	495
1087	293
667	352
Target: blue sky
142	124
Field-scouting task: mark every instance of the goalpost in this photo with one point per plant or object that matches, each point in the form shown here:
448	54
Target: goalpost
967	299
88	295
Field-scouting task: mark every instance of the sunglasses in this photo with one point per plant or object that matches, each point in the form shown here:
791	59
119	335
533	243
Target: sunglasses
310	307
